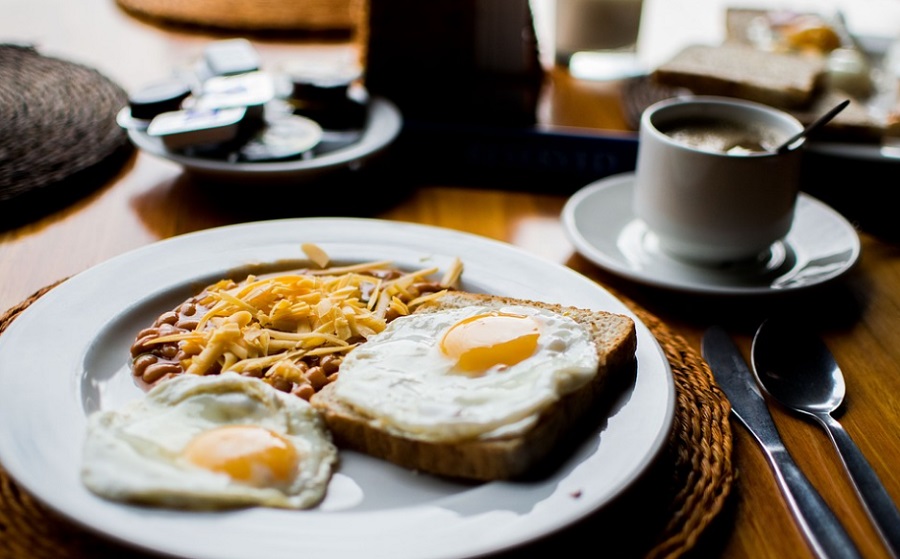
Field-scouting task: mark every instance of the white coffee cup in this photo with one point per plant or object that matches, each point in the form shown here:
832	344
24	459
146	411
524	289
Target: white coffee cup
706	204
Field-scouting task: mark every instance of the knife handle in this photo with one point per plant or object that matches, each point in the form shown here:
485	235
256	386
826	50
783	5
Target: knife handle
819	524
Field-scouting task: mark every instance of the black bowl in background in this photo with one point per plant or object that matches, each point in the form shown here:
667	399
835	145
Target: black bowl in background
859	187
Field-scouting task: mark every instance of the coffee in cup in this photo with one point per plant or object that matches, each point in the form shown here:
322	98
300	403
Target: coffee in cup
721	135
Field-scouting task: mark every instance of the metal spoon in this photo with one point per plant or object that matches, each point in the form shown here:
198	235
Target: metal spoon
813	126
795	367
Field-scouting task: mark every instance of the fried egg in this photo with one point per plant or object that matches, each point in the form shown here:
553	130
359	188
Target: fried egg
468	372
208	442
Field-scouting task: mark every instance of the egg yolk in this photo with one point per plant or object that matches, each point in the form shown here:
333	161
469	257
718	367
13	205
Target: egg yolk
483	341
246	453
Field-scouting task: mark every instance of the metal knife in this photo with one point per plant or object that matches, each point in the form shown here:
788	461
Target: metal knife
820	526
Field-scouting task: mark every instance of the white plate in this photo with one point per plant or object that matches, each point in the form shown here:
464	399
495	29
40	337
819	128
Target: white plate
68	354
599	221
383	124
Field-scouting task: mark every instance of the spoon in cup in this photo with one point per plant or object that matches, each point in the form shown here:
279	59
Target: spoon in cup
796	369
812	126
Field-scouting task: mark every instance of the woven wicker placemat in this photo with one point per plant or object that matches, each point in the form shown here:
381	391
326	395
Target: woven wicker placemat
696	461
251	15
58	133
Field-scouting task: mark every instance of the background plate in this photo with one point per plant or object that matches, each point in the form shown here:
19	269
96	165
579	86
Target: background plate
89	321
383	124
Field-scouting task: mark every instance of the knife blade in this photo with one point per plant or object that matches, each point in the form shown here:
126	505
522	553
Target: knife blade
821	528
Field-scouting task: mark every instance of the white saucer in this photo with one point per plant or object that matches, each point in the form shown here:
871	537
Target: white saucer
599	221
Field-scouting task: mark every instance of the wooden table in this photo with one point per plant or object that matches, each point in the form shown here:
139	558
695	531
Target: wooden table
150	199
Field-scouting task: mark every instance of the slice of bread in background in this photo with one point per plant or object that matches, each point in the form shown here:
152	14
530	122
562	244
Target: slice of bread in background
736	70
503	457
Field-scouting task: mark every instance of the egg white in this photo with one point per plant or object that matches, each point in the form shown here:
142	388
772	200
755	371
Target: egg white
134	454
402	381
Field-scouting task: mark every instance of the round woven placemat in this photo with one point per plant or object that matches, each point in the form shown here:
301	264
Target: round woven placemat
58	131
251	15
696	463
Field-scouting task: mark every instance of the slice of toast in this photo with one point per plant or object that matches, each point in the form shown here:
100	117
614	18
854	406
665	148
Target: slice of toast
500	457
792	82
783	80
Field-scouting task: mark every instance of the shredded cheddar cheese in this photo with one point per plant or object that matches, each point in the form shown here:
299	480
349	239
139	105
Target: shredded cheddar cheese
273	325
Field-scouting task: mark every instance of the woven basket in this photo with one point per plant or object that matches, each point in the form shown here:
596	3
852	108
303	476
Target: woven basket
252	15
58	133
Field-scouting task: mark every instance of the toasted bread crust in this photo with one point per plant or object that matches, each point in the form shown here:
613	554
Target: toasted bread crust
502	457
780	79
792	82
